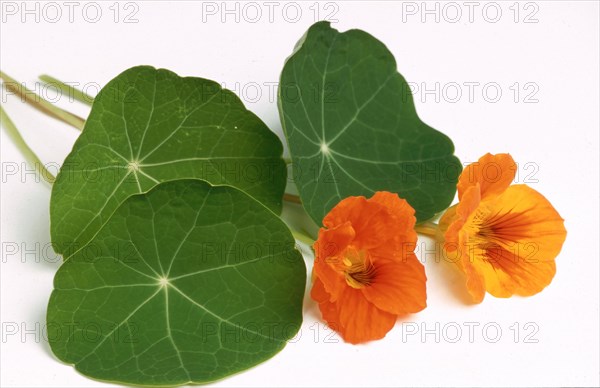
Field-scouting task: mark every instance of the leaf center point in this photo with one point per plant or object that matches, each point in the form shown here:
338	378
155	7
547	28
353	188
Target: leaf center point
324	148
133	166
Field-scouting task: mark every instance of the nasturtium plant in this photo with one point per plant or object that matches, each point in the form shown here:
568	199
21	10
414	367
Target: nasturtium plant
148	126
179	270
186	283
352	127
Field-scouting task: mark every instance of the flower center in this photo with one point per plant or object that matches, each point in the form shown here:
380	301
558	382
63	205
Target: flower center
358	269
486	226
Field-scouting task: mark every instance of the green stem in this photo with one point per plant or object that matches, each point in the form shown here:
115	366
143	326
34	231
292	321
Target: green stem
71	91
30	156
302	237
428	229
40	103
292	198
287	160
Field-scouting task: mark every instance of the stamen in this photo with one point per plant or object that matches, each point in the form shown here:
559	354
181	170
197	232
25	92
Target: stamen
362	278
360	272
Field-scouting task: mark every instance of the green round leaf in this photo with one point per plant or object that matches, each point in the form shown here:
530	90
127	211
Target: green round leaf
187	283
352	128
148	126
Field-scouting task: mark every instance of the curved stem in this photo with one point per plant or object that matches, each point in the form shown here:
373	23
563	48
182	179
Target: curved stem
40	103
306	239
428	228
292	198
30	156
71	91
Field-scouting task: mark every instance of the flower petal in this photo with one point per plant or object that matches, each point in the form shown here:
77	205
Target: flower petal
351	209
448	218
328	309
370	220
494	173
457	217
524	234
475	281
402	211
332	242
525	220
359	320
398	287
328	248
383	224
368	241
353	317
506	274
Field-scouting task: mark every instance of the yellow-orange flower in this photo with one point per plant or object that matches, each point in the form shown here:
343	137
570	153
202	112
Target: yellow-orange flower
505	238
366	272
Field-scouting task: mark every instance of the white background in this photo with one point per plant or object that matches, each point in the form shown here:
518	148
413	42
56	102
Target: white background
557	135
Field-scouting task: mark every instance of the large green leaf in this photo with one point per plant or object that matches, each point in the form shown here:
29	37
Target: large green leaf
148	126
187	283
352	127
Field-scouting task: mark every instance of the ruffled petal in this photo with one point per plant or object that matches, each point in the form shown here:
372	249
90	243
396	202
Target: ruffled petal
493	173
367	245
351	209
403	227
448	218
476	285
328	308
398	286
458	216
332	242
383	223
328	250
359	320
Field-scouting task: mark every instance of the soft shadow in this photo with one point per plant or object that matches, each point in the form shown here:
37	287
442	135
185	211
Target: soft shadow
448	274
296	217
40	316
444	272
310	308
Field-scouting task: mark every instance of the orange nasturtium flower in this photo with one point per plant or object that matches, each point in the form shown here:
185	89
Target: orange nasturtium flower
504	238
366	272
